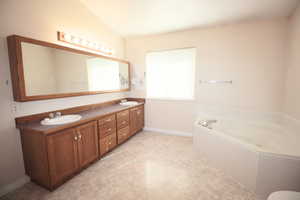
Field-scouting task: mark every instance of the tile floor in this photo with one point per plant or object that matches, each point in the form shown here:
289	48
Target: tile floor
149	166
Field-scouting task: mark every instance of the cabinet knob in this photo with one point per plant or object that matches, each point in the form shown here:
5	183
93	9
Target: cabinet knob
123	122
75	138
109	129
79	136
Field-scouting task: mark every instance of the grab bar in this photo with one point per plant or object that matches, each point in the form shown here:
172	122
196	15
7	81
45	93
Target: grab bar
215	81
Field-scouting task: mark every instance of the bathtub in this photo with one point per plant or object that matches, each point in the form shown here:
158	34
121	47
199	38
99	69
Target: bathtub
263	157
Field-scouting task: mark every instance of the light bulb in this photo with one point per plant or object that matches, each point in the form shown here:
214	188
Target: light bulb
109	50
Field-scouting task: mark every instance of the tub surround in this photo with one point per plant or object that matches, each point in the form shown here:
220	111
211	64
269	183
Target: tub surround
254	161
52	154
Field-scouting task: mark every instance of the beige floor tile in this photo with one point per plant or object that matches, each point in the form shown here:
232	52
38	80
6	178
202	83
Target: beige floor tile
149	166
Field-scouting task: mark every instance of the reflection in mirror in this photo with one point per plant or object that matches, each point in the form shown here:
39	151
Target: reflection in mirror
54	71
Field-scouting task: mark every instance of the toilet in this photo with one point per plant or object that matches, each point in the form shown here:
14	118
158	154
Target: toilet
284	195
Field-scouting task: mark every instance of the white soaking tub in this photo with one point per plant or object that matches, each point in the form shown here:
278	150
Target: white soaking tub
263	157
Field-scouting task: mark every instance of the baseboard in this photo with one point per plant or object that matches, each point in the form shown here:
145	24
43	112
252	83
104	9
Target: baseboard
12	186
168	132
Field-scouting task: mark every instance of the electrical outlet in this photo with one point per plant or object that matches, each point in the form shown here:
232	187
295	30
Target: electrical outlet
14	107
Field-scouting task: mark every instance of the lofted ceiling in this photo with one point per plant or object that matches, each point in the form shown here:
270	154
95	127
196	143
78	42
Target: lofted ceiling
144	17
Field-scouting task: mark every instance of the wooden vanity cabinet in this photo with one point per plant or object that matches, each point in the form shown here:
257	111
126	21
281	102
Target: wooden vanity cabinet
136	119
51	158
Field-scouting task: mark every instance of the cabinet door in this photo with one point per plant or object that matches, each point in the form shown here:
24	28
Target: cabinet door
139	118
87	143
62	155
104	148
136	119
133	121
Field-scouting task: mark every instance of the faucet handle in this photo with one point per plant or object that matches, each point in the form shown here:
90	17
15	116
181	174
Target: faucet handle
51	115
57	114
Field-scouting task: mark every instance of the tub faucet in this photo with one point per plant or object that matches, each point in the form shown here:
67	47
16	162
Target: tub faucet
207	123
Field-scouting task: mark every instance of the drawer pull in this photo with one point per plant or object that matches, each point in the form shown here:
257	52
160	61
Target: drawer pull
108	120
109	143
124	122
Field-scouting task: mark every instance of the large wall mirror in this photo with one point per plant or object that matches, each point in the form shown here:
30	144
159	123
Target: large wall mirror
42	70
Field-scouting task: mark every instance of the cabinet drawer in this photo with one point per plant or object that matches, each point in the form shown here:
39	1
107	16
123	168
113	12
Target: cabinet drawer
107	143
112	141
107	120
107	126
123	134
122	119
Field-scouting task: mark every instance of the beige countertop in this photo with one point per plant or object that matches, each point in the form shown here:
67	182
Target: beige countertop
87	116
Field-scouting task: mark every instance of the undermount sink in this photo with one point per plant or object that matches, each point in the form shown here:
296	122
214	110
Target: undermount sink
129	103
64	119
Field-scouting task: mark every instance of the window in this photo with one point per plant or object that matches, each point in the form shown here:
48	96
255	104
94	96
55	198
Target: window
171	74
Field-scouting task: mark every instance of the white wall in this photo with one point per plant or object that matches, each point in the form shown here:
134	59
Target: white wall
40	20
292	96
251	54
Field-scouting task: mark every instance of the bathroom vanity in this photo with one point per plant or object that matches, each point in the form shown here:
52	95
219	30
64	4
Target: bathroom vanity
55	153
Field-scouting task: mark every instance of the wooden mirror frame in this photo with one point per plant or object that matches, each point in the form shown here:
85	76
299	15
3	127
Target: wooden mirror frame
17	71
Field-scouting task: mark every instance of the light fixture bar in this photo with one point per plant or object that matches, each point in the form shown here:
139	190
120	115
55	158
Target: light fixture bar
80	42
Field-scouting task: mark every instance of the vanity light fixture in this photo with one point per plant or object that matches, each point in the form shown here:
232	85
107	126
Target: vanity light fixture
80	42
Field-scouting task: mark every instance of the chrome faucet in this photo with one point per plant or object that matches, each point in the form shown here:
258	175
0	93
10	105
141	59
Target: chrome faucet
54	115
207	123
